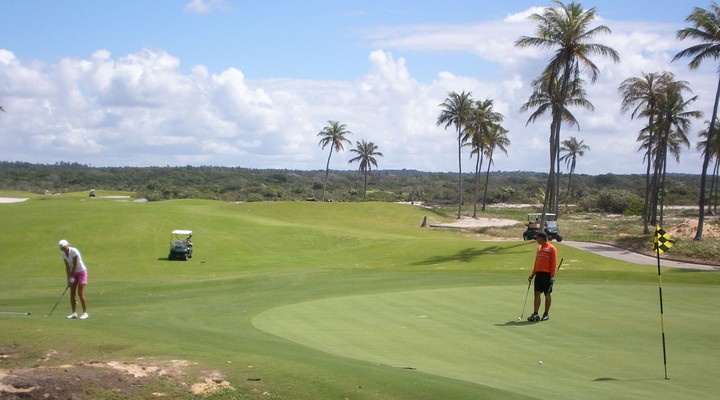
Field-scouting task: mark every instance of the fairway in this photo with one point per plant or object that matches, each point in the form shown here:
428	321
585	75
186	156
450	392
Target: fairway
307	300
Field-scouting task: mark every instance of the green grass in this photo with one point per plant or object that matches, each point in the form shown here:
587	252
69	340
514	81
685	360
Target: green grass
347	300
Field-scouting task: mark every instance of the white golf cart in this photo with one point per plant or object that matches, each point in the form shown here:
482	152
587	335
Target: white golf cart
533	227
181	248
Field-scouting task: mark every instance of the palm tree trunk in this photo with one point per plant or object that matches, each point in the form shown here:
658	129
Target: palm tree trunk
558	174
460	201
662	185
646	205
365	183
661	162
478	163
706	162
327	171
713	189
568	190
487	179
715	178
654	184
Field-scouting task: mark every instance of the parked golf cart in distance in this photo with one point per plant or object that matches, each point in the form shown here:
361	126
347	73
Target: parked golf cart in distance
533	227
181	247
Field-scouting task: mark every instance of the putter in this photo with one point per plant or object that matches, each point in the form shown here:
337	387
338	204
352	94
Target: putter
525	303
14	313
528	292
58	301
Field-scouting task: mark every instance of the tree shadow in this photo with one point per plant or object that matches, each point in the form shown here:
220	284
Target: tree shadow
470	254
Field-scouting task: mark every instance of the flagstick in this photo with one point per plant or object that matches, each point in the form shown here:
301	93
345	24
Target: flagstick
662	321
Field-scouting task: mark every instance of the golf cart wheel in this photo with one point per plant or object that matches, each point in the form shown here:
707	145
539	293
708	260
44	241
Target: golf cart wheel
559	239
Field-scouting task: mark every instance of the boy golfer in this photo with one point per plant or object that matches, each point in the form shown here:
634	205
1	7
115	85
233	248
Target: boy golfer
544	274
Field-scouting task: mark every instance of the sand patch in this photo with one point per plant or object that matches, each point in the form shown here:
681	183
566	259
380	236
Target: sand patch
689	227
9	200
469	222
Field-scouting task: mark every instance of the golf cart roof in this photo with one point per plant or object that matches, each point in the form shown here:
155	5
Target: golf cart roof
181	232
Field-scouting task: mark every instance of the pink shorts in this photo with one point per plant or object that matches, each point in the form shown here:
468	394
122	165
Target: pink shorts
81	278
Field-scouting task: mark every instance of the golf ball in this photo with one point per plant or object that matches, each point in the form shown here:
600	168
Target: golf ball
519	318
539	362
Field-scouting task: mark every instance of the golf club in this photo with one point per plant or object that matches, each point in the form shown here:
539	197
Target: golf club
14	313
58	301
525	303
528	292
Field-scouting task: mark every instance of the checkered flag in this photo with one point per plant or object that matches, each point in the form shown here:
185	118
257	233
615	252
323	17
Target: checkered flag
662	241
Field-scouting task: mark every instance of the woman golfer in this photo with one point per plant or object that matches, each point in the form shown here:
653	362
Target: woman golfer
544	274
76	275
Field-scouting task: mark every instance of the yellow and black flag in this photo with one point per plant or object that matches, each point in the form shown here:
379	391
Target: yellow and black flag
662	241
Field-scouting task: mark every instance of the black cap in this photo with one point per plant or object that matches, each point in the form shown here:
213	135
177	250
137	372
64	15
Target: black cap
543	234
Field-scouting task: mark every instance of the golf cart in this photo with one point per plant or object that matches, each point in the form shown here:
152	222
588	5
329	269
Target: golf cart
180	245
533	227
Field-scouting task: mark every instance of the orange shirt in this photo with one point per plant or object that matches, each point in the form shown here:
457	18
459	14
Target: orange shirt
546	259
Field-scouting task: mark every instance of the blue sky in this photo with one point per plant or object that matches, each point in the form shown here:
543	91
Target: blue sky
248	83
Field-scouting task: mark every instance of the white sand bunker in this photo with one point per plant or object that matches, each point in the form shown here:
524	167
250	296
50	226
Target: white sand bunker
468	222
8	200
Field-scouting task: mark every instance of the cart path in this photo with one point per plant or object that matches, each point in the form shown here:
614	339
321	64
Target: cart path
636	258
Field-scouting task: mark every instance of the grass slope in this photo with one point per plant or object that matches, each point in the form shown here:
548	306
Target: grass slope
341	300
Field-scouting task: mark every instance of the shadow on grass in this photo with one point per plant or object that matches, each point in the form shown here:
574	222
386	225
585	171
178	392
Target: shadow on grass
469	254
523	322
628	380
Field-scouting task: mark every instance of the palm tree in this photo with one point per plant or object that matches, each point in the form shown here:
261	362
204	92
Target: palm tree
545	97
573	150
366	152
565	28
714	148
497	138
705	29
333	135
644	93
484	121
457	110
673	121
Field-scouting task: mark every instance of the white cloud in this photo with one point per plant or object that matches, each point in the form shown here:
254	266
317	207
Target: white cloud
206	6
143	109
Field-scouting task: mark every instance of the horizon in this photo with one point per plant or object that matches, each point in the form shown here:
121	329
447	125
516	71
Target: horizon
350	171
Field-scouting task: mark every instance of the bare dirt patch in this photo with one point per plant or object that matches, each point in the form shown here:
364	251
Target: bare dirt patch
689	227
117	379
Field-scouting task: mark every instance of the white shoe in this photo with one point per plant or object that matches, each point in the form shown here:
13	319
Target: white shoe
72	316
84	316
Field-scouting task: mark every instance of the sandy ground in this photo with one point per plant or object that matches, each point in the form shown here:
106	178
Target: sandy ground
469	222
8	200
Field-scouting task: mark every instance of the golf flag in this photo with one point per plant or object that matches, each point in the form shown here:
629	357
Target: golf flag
661	242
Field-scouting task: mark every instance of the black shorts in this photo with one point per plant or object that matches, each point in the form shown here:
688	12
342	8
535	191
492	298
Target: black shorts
543	282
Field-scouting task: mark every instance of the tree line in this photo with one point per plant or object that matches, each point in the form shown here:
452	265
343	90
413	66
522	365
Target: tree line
607	192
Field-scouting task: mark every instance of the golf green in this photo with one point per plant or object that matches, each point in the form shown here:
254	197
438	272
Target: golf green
602	340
